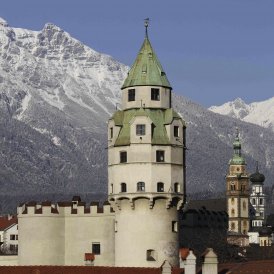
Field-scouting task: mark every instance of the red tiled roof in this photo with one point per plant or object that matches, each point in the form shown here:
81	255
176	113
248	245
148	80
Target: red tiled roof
251	267
77	270
5	222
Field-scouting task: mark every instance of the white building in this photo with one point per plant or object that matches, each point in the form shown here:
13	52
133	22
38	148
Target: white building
9	234
146	168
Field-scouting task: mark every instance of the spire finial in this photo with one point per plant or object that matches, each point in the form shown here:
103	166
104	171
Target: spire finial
257	166
146	25
237	132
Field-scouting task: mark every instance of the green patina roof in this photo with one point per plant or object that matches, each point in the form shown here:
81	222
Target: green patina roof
159	118
146	70
237	158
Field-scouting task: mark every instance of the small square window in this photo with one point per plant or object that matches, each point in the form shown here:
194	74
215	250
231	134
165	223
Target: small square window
123	156
96	248
131	95
160	156
176	131
140	186
140	130
155	94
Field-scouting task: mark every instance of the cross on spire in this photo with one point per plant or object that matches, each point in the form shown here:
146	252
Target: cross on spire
146	25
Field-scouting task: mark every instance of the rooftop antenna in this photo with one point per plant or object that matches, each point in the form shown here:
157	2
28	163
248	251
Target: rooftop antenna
146	25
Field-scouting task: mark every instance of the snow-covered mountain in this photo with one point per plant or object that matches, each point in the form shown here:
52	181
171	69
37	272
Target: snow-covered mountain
56	95
259	113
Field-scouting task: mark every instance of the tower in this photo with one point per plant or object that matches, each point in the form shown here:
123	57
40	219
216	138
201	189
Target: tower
258	198
237	192
146	144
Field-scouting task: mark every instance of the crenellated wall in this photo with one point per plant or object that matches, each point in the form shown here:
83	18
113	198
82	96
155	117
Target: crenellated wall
61	234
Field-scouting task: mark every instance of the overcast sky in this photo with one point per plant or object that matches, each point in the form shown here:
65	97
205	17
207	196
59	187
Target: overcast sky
213	51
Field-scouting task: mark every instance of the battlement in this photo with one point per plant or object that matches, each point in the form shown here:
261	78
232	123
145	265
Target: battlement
64	208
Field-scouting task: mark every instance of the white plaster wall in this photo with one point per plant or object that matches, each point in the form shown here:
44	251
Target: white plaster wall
143	94
82	231
41	240
142	228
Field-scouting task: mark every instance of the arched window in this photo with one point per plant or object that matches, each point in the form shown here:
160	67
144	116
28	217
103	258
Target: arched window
123	187
232	212
160	187
232	187
140	186
232	226
176	187
232	201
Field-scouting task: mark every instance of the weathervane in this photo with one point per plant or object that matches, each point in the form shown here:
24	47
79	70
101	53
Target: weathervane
146	24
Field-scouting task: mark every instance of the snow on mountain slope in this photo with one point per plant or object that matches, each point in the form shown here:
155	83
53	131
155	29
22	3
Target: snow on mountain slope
259	113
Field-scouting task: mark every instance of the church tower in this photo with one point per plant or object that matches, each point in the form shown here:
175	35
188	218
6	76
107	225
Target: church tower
258	198
237	193
146	162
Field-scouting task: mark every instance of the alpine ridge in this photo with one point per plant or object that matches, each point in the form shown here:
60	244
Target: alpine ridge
259	113
56	96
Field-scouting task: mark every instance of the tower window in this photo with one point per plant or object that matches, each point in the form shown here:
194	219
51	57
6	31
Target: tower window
176	187
160	187
160	155
174	226
176	131
131	95
140	186
111	132
244	205
253	201
232	226
151	255
140	130
155	94
261	201
123	187
123	156
111	187
232	187
96	248
232	212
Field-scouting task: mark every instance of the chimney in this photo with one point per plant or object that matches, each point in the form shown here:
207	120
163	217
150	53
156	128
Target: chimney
210	264
89	259
190	263
166	268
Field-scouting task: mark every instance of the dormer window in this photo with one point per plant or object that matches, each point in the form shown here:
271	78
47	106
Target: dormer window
131	95
160	156
176	131
140	130
155	94
123	156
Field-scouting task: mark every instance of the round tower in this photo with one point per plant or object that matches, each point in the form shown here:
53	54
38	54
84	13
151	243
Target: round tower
258	198
237	192
146	144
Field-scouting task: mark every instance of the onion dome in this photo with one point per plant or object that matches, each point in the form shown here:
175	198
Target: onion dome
257	177
237	156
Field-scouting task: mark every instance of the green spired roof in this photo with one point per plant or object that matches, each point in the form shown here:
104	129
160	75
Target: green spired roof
146	70
159	118
237	158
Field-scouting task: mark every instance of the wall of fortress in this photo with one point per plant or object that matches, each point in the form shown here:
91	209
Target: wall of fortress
61	234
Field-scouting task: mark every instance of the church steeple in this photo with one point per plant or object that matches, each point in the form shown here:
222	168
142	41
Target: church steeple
237	156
